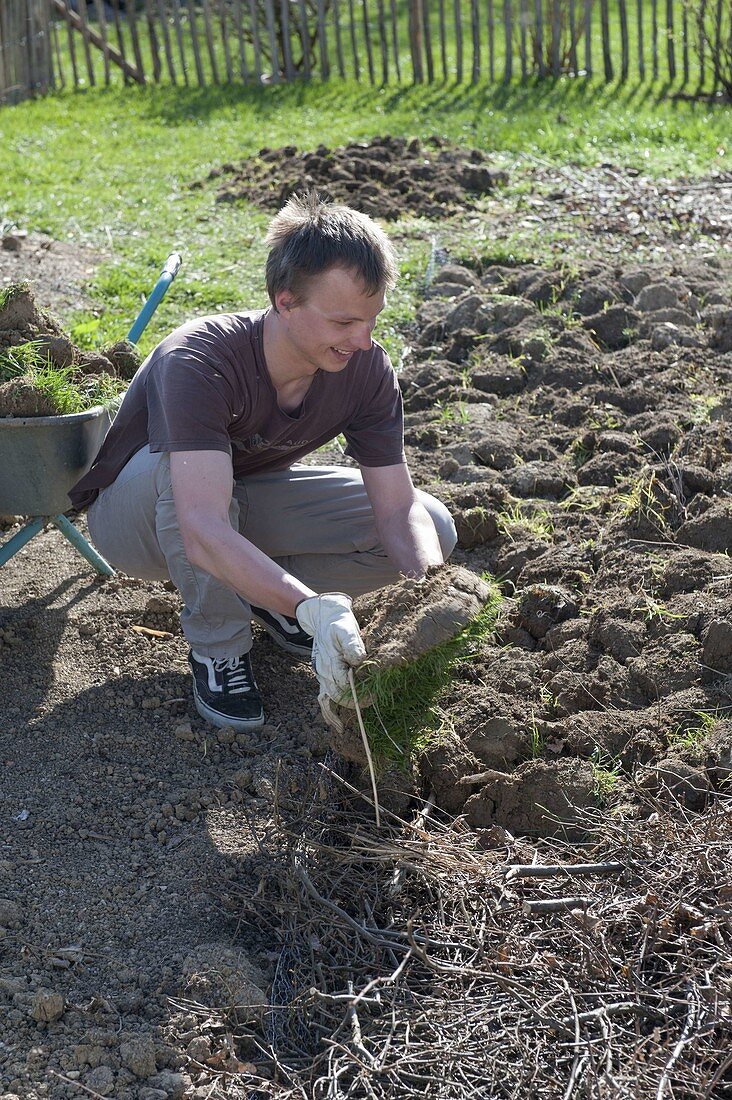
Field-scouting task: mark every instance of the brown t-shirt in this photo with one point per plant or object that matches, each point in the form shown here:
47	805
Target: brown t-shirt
206	387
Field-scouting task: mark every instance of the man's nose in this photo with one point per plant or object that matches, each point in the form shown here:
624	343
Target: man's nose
363	335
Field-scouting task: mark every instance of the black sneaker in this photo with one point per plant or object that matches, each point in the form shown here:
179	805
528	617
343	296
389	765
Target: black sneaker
226	692
286	632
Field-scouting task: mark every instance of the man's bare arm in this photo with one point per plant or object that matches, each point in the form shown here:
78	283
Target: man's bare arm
404	525
202	486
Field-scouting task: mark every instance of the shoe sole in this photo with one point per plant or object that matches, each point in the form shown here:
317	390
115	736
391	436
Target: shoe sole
240	725
301	652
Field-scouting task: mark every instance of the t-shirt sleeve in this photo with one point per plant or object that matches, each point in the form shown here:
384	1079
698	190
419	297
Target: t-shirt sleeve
189	403
375	435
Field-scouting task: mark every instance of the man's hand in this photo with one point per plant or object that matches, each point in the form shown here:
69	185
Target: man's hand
337	645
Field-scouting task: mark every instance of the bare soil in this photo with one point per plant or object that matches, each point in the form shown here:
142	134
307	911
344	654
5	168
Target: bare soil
385	177
577	420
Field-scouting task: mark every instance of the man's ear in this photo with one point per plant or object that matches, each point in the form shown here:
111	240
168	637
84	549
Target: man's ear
285	301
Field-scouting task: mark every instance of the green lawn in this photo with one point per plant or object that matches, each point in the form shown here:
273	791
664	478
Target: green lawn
111	168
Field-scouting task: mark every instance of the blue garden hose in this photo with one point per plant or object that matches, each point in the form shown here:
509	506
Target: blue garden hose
159	291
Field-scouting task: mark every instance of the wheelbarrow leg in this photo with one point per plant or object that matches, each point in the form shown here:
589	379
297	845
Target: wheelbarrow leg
66	527
85	548
17	542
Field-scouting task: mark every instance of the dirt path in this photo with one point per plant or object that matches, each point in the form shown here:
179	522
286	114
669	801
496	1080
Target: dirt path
121	820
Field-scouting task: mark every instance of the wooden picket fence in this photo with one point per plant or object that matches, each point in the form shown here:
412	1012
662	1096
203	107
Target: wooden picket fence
51	44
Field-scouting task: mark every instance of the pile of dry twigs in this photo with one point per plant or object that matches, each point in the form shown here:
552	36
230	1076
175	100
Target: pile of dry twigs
423	960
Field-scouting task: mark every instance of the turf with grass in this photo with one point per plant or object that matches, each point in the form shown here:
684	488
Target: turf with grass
415	632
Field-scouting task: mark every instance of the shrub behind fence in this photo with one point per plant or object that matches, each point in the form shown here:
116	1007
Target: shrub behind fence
47	44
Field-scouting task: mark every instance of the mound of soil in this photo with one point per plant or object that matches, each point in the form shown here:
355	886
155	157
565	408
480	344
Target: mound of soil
386	177
23	321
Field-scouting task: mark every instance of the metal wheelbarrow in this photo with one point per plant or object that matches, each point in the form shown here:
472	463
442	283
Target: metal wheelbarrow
42	457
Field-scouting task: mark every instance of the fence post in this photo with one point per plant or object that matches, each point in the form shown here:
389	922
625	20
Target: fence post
179	39
624	47
607	58
323	42
354	40
717	48
383	41
475	31
102	21
685	42
286	43
304	38
256	41
367	40
271	31
338	37
415	41
458	42
163	17
539	43
224	41
508	37
670	44
210	41
573	63
523	37
395	37
556	36
428	41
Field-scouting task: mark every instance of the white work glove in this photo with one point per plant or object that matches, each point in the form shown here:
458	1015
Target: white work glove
337	647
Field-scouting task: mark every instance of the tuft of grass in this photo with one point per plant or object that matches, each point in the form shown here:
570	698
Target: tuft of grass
702	405
538	739
520	516
23	358
652	611
9	293
641	501
67	392
404	716
606	775
691	738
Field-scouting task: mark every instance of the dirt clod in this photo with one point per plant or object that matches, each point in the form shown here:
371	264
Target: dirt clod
403	621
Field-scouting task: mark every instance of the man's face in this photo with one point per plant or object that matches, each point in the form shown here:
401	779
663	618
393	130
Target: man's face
335	319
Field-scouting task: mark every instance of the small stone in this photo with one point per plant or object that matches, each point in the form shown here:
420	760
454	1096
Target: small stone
199	1049
138	1055
243	779
173	1085
656	296
226	736
10	913
184	732
100	1080
47	1006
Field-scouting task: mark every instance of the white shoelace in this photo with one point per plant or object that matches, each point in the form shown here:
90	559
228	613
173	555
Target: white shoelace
234	674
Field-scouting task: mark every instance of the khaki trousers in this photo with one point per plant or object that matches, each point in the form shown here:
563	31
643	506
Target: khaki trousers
314	521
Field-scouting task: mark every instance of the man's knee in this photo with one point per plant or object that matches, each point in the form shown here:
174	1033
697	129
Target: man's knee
443	521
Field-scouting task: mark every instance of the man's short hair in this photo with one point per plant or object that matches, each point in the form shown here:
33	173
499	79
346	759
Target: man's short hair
311	235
